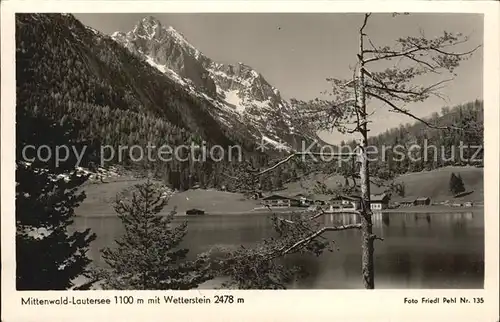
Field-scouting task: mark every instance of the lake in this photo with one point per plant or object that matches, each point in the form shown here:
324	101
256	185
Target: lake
419	251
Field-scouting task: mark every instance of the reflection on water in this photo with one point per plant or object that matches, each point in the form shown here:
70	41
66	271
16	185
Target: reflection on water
441	250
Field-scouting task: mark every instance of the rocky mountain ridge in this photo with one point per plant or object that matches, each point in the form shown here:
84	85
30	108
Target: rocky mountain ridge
238	92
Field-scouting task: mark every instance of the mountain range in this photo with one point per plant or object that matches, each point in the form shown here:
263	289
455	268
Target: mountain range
150	86
237	92
233	98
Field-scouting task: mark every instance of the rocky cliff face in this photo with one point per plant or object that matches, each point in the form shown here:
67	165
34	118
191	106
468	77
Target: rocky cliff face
167	47
241	95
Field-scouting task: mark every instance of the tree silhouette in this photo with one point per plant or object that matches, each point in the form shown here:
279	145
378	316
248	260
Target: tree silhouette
456	184
411	57
48	256
147	256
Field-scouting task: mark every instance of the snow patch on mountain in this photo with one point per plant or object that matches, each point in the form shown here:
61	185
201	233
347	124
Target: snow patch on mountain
233	99
167	71
240	96
161	68
232	78
93	30
279	145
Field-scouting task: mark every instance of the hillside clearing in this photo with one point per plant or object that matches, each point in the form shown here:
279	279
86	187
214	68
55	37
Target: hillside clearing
433	184
100	199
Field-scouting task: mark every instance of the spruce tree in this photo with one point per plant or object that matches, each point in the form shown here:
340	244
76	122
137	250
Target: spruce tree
148	256
452	184
456	184
460	187
48	256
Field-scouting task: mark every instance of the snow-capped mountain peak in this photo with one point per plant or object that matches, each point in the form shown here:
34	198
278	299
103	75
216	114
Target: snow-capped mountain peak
149	27
240	93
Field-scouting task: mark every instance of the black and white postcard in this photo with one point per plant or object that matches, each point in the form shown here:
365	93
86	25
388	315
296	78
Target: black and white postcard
270	161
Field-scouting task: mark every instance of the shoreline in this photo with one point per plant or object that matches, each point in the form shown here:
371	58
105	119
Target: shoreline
218	213
287	211
432	209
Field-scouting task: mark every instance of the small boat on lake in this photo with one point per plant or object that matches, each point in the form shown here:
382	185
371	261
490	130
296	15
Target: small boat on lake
195	212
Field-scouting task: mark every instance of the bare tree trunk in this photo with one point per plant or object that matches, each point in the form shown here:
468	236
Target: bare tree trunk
367	265
366	221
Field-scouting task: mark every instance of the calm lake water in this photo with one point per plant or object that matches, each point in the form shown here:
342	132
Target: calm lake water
441	250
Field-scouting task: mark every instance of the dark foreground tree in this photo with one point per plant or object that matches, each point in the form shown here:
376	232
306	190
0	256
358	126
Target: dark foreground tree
147	256
261	266
395	87
48	255
456	184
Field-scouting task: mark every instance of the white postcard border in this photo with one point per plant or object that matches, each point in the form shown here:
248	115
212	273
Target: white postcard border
345	305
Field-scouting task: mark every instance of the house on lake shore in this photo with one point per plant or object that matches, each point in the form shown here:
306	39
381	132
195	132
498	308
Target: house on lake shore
350	202
407	202
412	201
422	201
379	202
304	199
280	201
353	202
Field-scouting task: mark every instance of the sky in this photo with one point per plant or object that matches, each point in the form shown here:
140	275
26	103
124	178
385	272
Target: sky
296	52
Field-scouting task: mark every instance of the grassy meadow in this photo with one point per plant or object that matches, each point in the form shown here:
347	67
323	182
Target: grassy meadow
433	184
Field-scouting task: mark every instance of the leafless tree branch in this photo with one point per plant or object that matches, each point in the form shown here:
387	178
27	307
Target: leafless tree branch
420	92
291	156
365	21
393	54
308	239
375	237
405	112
